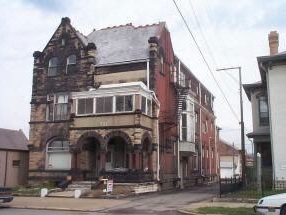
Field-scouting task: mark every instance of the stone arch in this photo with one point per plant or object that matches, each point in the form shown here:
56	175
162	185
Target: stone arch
91	134
146	139
118	133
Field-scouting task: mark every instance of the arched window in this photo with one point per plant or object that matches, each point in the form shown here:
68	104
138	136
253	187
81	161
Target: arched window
58	155
71	59
53	64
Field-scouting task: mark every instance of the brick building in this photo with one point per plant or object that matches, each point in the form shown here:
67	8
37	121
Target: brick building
114	102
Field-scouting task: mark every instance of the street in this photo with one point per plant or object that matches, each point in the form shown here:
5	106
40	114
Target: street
157	203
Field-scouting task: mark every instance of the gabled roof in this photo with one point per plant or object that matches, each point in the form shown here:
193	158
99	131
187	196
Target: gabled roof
124	43
13	140
227	150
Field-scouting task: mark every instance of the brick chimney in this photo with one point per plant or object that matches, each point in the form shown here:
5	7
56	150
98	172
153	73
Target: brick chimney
273	38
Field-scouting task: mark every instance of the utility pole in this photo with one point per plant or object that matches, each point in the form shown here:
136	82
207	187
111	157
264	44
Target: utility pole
241	123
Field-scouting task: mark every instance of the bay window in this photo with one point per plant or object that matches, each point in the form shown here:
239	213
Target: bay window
104	104
85	106
124	103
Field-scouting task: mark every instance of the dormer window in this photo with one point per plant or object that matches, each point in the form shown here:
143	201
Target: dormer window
53	64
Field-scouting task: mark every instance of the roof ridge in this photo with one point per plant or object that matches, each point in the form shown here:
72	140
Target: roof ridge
116	26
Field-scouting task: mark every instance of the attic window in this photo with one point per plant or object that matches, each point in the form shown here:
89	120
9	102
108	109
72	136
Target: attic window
63	42
71	60
53	63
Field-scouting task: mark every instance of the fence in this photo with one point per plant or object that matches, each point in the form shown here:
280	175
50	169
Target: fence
229	185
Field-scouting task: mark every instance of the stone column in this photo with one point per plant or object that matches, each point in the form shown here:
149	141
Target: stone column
137	151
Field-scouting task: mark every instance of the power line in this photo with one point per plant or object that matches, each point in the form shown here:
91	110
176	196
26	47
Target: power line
205	61
202	33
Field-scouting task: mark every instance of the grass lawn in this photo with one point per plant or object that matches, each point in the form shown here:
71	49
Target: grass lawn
226	210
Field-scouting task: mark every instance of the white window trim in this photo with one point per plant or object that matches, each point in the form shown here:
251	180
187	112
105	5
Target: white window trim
85	114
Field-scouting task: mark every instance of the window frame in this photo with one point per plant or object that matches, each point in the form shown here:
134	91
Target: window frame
51	114
263	98
56	150
52	66
124	103
77	107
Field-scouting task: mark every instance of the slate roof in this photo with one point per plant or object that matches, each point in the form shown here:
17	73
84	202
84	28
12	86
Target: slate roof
13	140
124	43
226	150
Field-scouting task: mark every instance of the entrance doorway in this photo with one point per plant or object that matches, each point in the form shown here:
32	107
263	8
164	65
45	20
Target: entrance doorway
116	154
90	157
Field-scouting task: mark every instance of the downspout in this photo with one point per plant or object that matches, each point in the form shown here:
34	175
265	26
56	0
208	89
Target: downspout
158	139
148	73
179	124
200	132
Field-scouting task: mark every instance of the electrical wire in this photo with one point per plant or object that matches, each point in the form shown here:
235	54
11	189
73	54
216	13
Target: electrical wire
205	61
202	33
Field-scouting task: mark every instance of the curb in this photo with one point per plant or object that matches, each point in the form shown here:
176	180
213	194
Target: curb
181	211
55	208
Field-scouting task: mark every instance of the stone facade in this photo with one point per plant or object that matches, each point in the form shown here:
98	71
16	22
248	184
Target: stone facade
85	103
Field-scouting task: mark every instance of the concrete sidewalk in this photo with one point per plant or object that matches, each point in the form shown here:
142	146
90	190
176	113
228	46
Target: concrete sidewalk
67	204
191	209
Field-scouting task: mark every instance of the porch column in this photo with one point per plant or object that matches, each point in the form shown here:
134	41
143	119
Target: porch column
102	159
137	152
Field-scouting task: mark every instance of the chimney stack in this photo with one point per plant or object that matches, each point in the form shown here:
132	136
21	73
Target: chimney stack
273	38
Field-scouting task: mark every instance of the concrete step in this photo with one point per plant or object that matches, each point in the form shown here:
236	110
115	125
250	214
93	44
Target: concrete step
67	194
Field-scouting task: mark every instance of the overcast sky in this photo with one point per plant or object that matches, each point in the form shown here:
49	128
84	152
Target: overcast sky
229	33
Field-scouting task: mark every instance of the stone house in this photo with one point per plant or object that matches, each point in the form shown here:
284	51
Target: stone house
108	103
14	158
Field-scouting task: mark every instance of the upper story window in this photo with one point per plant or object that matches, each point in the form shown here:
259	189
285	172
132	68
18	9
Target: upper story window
263	111
71	59
184	127
184	105
146	106
182	79
58	109
53	64
124	103
162	65
205	126
85	106
104	104
143	104
61	107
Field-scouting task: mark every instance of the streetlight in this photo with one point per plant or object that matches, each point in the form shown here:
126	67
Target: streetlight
241	122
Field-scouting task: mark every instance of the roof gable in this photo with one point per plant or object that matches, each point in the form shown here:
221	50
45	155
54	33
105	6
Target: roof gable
65	30
227	150
13	140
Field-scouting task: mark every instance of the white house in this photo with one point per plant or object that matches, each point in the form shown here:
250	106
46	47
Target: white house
230	160
273	78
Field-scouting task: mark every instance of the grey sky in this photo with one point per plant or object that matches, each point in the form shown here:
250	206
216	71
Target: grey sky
236	34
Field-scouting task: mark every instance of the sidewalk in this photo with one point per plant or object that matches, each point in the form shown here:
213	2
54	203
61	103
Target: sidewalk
191	209
67	204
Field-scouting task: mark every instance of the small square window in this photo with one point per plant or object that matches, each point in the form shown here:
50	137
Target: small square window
16	163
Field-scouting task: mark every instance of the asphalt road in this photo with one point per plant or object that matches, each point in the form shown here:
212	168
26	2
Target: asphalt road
157	204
